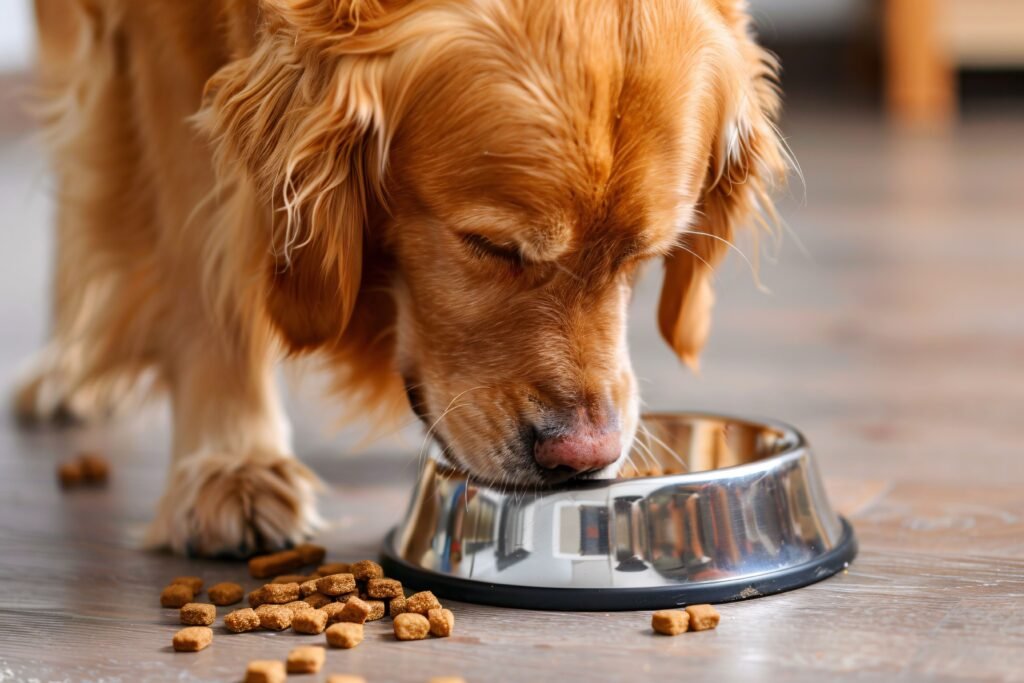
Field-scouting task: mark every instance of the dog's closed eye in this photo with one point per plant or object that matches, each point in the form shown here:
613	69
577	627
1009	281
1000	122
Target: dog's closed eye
485	248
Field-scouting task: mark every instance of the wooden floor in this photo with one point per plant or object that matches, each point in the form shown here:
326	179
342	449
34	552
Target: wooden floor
896	343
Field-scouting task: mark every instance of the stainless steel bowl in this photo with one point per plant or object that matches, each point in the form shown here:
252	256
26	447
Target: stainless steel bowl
711	509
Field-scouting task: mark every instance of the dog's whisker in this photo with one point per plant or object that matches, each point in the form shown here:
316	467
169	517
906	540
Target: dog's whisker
671	451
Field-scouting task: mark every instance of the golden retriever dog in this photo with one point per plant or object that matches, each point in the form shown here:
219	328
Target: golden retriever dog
448	200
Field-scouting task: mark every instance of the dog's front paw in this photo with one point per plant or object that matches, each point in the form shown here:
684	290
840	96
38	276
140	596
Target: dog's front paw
233	505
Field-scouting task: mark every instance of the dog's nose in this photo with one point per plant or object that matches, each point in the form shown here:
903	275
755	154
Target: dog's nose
581	449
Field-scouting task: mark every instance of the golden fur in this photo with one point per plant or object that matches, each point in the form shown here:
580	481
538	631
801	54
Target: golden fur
453	195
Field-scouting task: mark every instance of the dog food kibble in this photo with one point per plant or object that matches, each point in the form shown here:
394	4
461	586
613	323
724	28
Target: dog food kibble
193	582
265	671
280	593
364	570
308	587
242	620
274	617
333	611
317	600
377	610
198	614
176	595
95	468
702	617
334	568
305	659
265	566
345	678
355	611
345	636
311	621
297	606
397	606
670	622
410	626
226	593
421	603
311	553
336	584
383	588
69	474
442	622
192	639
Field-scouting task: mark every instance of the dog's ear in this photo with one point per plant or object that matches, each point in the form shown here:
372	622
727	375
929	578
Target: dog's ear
747	159
305	126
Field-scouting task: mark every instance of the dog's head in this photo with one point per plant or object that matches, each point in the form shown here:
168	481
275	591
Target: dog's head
470	189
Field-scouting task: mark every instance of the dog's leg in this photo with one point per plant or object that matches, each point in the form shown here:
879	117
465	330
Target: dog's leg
234	486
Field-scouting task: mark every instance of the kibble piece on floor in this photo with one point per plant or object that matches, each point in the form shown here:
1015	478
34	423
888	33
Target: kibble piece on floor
397	606
334	568
702	617
670	622
364	570
265	566
265	671
442	622
95	468
345	636
242	620
297	606
198	614
225	593
69	474
176	595
317	600
355	611
312	621
274	617
305	659
410	626
280	593
421	603
308	587
377	610
345	678
311	553
336	584
192	639
384	588
290	578
345	596
333	611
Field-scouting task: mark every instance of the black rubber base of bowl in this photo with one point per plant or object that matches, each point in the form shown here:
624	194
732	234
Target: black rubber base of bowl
611	599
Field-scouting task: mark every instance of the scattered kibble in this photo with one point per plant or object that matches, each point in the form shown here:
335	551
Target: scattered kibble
421	603
397	606
265	671
305	659
345	678
226	593
198	614
670	622
384	588
344	635
274	617
336	584
703	617
266	566
192	639
242	620
311	621
442	622
176	595
411	626
317	600
355	611
364	570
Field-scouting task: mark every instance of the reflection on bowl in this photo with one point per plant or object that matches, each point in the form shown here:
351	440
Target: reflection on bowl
710	509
